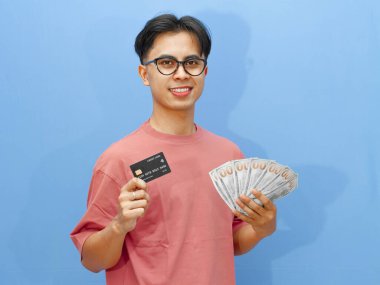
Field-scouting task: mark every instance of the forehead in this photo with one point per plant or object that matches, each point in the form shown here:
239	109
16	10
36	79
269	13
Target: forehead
179	45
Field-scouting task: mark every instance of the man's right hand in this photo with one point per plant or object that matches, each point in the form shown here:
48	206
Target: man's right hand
133	203
102	250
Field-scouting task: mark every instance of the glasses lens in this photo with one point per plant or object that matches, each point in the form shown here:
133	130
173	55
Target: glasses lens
166	65
194	66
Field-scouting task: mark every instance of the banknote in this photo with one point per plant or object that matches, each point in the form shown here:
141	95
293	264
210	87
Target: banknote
286	183
286	175
241	168
272	174
240	177
221	189
225	173
257	171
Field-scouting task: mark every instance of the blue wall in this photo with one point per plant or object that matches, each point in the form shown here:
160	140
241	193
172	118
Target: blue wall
296	81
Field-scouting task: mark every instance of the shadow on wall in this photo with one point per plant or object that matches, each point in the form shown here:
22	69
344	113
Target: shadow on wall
226	81
303	213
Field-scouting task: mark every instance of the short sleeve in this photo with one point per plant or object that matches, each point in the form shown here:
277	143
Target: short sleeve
238	154
101	208
237	224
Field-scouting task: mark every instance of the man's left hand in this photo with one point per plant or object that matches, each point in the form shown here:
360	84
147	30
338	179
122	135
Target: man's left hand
261	218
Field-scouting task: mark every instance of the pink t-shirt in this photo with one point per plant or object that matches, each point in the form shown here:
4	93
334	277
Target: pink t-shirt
186	235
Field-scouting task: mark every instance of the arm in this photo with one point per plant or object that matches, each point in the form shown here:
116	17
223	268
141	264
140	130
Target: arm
261	222
102	250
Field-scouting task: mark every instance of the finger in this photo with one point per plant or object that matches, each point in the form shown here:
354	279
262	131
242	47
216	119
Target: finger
243	217
148	200
263	199
133	213
252	204
252	214
130	205
139	194
134	184
134	195
147	196
253	222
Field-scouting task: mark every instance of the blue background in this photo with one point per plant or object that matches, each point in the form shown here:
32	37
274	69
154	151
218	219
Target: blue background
292	80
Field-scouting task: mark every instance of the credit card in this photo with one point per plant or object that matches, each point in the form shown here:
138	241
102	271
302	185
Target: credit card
151	168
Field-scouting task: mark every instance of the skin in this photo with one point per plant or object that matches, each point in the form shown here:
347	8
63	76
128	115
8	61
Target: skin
173	113
261	222
102	250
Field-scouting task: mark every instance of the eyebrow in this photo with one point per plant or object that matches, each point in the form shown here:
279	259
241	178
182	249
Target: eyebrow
186	58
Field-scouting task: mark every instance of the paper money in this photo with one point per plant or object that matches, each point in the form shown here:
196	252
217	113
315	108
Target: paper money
224	194
241	169
238	177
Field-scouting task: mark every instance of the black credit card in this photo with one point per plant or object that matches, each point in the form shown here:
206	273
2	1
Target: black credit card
151	168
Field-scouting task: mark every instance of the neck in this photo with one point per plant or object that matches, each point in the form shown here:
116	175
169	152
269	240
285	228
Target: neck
173	122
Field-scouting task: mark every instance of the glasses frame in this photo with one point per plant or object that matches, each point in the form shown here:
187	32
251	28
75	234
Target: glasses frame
178	64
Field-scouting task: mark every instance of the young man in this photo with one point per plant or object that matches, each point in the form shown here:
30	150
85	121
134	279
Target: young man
174	229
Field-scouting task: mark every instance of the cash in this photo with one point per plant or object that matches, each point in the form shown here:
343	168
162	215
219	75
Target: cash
237	177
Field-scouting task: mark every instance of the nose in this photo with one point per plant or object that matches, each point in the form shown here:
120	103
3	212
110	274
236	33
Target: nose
180	73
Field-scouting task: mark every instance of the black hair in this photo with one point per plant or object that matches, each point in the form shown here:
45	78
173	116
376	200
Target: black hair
170	23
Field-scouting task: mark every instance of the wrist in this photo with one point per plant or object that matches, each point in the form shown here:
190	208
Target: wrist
259	235
117	228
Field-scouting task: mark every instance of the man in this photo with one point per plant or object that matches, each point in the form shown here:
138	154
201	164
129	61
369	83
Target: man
174	229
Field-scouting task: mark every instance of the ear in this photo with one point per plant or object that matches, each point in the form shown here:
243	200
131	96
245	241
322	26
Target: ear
206	70
143	74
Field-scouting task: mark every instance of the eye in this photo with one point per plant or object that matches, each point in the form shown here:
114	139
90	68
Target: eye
167	62
193	62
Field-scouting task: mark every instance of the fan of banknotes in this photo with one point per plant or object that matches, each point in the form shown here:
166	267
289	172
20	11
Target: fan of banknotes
237	177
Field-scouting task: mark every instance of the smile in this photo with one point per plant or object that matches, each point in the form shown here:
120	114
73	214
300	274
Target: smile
181	91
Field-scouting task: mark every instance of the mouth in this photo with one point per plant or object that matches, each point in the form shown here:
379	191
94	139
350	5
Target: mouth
181	91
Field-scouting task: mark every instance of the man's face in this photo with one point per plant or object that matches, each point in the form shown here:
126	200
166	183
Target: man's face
178	91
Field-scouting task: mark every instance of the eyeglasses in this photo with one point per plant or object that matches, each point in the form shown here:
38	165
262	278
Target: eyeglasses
169	65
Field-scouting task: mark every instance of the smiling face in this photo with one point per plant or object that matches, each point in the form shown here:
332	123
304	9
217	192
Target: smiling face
178	91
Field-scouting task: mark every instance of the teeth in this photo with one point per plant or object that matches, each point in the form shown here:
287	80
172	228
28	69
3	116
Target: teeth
180	90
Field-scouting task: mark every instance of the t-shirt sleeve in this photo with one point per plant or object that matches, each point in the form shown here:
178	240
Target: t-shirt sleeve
237	224
238	154
101	208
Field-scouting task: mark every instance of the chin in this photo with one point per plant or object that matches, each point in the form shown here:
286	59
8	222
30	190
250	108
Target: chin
183	108
180	107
